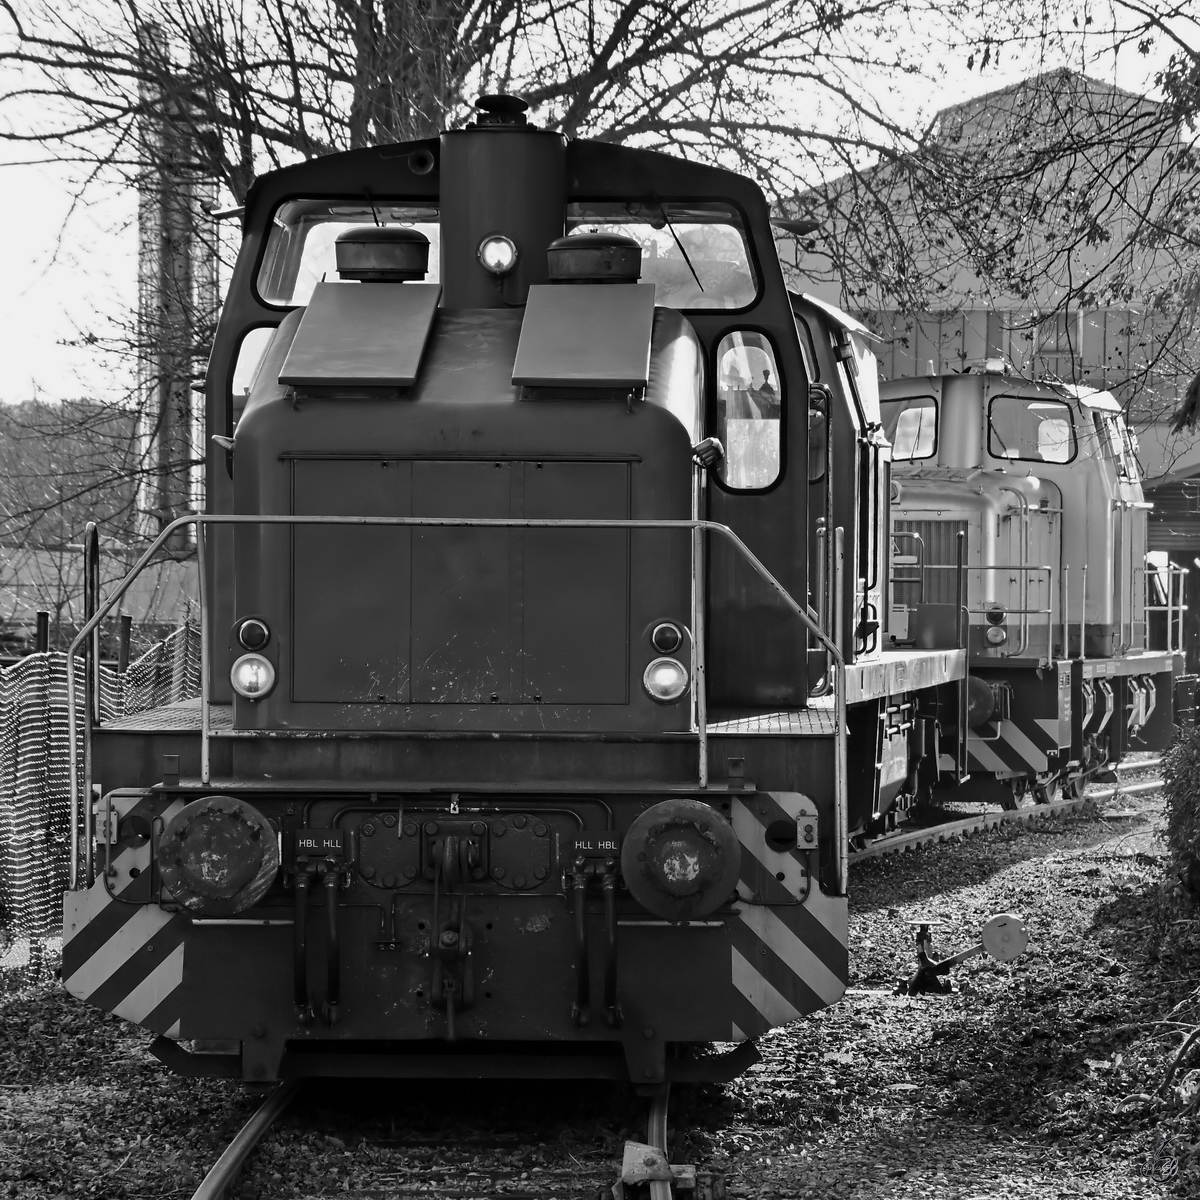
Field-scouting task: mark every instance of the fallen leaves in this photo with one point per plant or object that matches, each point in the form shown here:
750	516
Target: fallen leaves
1035	1079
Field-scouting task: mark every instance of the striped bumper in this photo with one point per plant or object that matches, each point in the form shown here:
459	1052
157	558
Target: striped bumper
788	955
1031	742
121	953
790	951
1022	749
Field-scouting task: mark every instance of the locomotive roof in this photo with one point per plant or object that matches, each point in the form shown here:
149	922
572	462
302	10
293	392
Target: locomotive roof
840	318
595	171
1088	396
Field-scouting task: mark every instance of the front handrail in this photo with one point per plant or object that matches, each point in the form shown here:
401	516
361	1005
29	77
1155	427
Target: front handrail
1173	579
1025	569
201	520
918	563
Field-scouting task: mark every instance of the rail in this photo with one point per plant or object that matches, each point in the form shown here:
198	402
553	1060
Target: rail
203	521
218	1181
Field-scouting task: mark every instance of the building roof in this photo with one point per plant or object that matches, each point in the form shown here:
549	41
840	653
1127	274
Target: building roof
1060	80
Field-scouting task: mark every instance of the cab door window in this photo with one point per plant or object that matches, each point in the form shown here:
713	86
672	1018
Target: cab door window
749	411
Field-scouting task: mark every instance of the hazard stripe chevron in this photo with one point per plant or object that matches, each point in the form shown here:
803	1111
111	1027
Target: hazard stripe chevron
1023	750
787	944
766	865
121	951
790	944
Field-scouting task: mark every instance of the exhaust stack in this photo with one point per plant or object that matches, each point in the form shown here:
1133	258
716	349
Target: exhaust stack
503	181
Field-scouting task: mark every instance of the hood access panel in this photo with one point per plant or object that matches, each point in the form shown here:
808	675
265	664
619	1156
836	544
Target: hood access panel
585	337
361	335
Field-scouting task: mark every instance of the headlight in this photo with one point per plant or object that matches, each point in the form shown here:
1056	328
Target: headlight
996	636
498	254
996	614
252	676
665	680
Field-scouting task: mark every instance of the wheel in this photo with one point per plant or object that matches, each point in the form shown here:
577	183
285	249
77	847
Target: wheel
1010	798
1049	792
924	805
984	789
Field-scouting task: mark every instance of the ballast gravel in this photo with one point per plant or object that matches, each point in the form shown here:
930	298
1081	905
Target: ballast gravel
1036	1079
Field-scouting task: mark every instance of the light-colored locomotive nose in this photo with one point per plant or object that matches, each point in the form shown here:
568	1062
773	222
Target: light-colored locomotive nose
681	859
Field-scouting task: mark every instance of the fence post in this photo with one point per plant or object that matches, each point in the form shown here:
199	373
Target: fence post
125	627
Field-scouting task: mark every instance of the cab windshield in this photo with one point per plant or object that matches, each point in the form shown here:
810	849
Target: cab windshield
695	254
300	250
911	427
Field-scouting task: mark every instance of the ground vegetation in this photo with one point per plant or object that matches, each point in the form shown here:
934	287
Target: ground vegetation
1059	1075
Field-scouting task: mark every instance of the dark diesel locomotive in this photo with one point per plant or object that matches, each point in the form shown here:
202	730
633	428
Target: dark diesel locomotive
1041	481
545	569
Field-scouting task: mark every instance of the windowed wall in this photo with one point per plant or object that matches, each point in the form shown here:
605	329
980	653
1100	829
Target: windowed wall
1142	359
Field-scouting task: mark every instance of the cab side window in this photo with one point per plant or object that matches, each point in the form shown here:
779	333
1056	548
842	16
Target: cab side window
749	410
245	369
1030	429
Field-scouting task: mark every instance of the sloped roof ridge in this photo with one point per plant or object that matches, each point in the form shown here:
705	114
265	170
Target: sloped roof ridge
1031	81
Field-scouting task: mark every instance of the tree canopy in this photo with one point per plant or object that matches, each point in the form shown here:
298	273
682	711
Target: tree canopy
262	82
1060	203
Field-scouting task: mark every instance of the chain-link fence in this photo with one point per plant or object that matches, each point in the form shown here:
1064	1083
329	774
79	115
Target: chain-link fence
35	779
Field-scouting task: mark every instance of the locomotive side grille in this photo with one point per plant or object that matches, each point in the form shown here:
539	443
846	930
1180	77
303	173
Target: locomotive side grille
938	548
461	615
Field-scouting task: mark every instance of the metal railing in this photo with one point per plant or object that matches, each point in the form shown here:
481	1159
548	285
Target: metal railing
699	721
1172	582
909	561
1022	569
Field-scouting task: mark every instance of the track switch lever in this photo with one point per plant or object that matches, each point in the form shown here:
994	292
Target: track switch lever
1003	938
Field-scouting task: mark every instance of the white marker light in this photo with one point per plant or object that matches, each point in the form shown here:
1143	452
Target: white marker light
252	676
665	680
498	254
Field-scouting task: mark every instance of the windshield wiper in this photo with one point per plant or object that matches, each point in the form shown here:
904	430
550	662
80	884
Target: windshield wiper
662	208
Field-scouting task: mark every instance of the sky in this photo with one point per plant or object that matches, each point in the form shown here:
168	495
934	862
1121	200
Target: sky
63	273
66	273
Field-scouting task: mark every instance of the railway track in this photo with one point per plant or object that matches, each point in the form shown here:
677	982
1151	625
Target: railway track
457	1164
902	840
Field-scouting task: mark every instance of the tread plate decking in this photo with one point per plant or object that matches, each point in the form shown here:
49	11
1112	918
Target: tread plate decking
181	717
814	721
184	716
894	671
